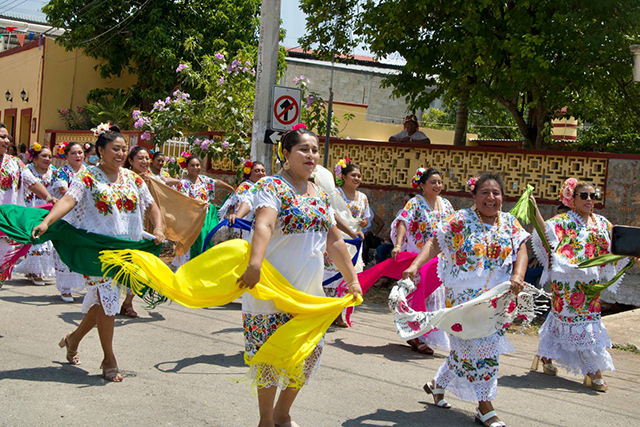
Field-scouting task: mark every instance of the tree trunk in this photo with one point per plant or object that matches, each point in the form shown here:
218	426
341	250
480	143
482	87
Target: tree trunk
462	118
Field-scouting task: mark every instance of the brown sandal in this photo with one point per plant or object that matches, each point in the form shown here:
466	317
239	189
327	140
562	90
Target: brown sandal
112	374
72	356
420	347
128	311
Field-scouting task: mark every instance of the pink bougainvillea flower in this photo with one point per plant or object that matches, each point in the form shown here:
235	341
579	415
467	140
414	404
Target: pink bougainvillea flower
181	67
145	136
225	144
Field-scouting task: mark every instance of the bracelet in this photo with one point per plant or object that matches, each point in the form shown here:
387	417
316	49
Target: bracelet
397	246
49	198
160	229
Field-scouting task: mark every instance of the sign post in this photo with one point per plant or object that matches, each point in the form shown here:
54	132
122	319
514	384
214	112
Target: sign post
286	108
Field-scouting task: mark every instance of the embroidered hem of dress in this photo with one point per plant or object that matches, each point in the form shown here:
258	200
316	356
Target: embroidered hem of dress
264	376
557	344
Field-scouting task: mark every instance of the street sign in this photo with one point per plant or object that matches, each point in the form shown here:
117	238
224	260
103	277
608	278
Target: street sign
286	108
272	136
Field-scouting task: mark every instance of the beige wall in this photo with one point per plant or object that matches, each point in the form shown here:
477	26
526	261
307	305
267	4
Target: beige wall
21	71
361	128
68	78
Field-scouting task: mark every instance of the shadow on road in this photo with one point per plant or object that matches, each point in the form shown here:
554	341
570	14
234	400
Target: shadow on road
400	418
37	300
227	331
64	374
390	351
75	317
220	359
539	381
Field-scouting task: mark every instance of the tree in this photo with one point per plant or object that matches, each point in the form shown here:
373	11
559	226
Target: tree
533	57
147	37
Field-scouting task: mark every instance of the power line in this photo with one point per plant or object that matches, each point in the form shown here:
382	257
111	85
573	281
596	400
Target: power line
117	25
13	7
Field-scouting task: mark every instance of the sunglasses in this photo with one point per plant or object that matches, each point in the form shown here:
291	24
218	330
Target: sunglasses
585	196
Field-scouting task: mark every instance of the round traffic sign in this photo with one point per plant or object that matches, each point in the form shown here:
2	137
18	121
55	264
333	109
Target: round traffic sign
286	110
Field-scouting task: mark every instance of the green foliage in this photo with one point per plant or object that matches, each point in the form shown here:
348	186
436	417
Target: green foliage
110	106
77	119
492	122
227	106
147	37
534	58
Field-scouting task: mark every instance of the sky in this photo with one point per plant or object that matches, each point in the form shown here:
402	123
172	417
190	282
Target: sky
293	18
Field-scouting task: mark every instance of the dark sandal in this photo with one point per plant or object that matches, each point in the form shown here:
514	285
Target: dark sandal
128	311
424	349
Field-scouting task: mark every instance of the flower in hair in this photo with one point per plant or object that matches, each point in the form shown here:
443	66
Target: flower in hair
60	151
340	166
415	181
35	148
102	128
246	169
471	184
298	126
566	194
182	160
86	146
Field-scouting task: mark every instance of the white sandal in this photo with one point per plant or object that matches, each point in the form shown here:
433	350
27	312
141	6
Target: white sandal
433	391
482	419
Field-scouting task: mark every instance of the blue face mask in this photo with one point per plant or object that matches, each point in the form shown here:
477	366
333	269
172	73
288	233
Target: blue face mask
93	159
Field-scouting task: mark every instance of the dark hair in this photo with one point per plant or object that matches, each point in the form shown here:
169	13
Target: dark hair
428	174
70	146
294	137
350	168
2	126
106	137
87	149
134	151
188	160
562	209
23	148
35	154
581	185
488	176
155	154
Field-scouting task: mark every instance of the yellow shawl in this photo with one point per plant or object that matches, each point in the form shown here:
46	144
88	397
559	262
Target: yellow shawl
210	280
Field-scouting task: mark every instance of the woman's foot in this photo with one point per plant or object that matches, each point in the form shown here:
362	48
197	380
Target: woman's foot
72	351
595	382
420	347
488	419
38	281
288	423
340	322
110	371
437	393
66	297
547	365
127	310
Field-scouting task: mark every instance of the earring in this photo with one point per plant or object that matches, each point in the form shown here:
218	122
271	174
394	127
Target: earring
286	166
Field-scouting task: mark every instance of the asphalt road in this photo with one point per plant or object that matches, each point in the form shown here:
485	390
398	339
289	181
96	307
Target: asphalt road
185	367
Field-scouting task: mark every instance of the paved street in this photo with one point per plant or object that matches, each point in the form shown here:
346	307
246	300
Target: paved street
185	367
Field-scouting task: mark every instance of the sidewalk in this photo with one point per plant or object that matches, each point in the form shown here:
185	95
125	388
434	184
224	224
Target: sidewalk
185	367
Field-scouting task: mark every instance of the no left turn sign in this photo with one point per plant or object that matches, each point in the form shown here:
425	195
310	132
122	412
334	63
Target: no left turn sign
286	108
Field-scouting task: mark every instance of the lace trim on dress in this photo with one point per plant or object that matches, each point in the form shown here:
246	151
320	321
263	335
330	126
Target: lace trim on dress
28	178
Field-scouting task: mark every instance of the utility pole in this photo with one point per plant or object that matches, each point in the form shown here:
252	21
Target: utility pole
266	72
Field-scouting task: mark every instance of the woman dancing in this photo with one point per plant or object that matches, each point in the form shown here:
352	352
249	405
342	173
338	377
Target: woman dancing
481	247
40	261
573	334
110	200
68	282
293	225
238	205
199	187
353	207
412	228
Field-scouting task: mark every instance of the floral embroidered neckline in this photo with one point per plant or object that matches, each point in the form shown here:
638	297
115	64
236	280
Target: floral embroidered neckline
292	188
118	181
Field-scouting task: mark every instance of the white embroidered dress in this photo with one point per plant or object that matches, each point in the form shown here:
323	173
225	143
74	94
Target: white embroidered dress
352	212
204	189
112	209
11	184
475	258
296	250
573	334
67	281
40	261
242	194
421	222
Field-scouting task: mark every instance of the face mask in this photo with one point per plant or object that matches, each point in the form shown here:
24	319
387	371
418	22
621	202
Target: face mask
93	159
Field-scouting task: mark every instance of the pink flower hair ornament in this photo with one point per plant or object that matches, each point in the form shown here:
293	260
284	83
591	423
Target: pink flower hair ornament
415	181
566	193
298	126
471	184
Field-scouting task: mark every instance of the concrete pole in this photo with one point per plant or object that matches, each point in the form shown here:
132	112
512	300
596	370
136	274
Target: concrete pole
266	72
635	51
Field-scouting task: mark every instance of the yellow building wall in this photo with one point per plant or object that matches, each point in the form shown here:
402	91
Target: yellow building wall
21	71
68	77
361	128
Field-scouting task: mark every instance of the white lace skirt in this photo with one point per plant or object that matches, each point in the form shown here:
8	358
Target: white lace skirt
471	369
109	296
67	281
580	348
436	339
39	261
